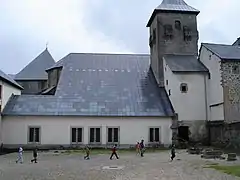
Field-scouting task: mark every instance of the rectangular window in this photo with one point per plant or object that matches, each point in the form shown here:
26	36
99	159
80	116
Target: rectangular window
77	135
187	34
168	31
113	135
95	135
34	135
154	134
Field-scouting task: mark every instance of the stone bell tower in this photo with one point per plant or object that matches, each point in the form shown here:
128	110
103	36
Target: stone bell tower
173	30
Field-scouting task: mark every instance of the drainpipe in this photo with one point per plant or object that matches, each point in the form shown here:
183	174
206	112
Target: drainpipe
206	107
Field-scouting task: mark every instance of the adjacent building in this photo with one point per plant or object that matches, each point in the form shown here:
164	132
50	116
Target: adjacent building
8	88
223	62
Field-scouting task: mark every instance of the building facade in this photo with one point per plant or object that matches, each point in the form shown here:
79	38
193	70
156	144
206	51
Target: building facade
173	94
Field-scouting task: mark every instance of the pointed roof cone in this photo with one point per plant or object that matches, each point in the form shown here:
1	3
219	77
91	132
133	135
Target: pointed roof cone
35	70
177	6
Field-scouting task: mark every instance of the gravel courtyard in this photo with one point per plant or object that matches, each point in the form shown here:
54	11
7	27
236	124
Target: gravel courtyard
153	166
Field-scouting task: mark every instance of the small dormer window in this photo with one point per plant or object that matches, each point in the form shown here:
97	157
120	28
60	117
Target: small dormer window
187	34
235	69
178	25
184	88
168	31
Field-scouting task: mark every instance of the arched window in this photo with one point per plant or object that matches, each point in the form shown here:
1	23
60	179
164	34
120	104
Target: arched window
178	25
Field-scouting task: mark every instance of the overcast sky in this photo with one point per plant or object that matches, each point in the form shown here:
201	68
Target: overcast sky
114	26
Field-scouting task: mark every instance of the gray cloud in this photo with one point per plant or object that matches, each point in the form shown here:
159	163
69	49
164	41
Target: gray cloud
95	26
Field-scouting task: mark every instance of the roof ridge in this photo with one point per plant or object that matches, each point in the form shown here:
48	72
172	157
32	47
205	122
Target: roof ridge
134	54
217	44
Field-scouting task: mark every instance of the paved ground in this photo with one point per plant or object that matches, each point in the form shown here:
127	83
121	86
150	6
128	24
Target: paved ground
73	167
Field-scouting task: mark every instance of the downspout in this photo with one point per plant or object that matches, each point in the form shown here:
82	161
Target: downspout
206	108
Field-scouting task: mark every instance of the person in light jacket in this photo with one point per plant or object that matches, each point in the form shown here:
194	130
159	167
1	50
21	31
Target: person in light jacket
20	155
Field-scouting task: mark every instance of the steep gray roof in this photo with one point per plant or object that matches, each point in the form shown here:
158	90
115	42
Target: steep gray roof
99	85
225	52
184	63
173	6
8	79
35	70
237	42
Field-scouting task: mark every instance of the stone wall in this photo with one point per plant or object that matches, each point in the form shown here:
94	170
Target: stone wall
197	130
231	90
172	33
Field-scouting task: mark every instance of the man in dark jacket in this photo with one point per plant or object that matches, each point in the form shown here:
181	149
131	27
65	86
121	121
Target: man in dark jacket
142	148
35	154
173	153
114	152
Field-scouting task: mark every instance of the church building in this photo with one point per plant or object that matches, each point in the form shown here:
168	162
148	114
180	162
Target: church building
174	94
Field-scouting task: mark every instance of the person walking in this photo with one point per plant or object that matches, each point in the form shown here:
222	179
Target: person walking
142	148
35	154
138	148
87	150
20	155
173	152
114	152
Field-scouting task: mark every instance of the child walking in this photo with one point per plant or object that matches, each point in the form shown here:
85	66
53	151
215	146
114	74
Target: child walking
35	154
87	150
138	148
173	153
20	155
114	152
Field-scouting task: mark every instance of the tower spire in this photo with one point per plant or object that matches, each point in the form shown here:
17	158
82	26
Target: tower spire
178	6
46	45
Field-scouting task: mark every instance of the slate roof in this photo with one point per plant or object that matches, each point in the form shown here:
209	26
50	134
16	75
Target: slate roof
184	63
99	85
237	42
9	80
225	52
35	70
173	6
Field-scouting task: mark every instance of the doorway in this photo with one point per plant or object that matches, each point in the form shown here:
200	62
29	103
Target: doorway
183	133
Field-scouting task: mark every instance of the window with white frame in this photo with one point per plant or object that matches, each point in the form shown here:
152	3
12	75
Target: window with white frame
95	135
76	135
113	134
34	135
154	134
